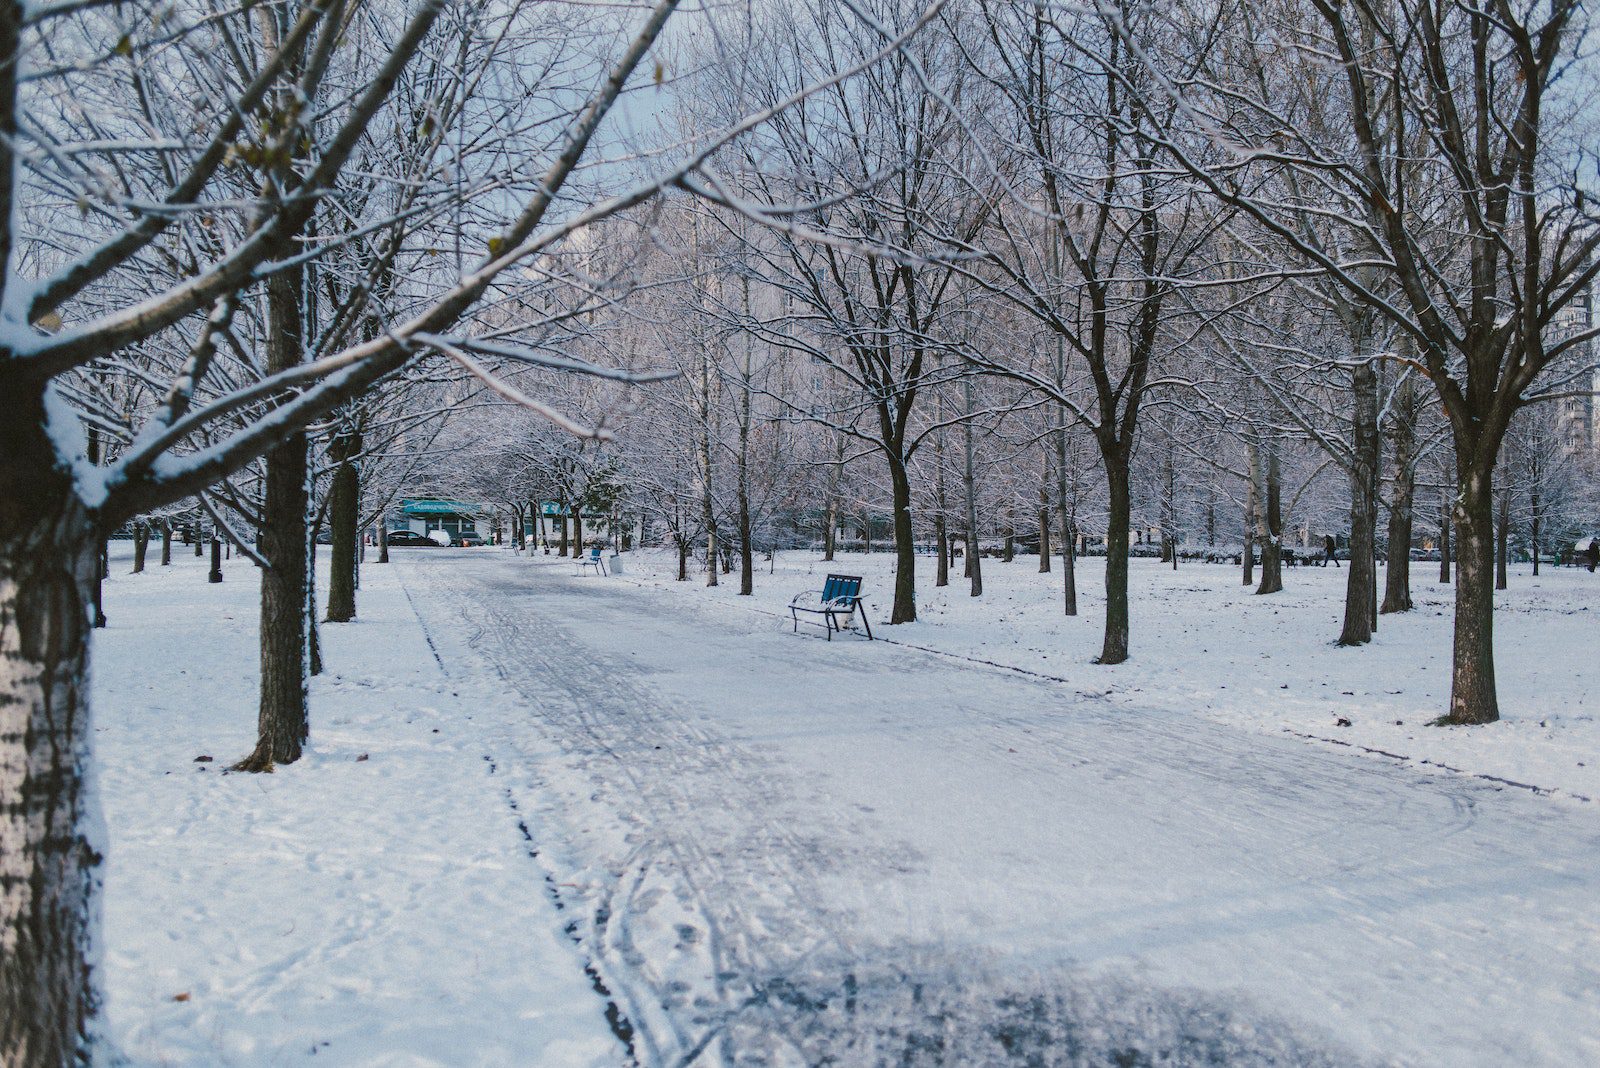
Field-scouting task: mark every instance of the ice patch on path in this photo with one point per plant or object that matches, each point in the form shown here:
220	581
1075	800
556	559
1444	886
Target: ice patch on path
969	1017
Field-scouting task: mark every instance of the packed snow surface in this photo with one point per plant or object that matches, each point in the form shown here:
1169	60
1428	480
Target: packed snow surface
775	849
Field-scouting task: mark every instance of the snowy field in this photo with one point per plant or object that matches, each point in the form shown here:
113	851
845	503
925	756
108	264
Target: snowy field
373	904
776	850
1203	643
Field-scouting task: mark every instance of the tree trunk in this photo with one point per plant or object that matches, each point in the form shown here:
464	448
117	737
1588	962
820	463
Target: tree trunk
1444	539
563	526
683	558
1501	539
1045	548
1044	520
345	520
282	718
166	544
747	548
1069	533
1114	650
905	545
49	816
141	546
969	482
383	541
1397	572
941	544
1472	685
1252	506
1534	522
1361	577
1272	525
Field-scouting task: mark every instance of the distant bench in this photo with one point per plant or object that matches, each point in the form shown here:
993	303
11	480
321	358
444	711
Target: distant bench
840	597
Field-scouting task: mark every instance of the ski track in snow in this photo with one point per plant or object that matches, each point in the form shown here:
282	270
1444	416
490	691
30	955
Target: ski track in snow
785	851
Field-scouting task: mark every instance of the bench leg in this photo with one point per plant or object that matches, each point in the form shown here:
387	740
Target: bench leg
864	622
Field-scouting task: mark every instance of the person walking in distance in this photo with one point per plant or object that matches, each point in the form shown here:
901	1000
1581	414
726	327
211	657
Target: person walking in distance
1591	555
1328	554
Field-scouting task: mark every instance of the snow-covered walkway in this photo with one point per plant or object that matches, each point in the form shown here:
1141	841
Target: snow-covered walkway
784	850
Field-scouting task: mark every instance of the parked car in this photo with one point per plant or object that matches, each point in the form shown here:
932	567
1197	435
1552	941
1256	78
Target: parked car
467	537
408	537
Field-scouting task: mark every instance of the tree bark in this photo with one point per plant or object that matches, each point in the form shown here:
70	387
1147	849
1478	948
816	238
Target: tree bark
383	541
1472	686
1069	533
1397	572
905	545
1444	540
1114	649
50	854
344	519
1272	525
1360	608
166	544
1044	515
969	480
1535	519
283	721
1502	538
141	545
1252	506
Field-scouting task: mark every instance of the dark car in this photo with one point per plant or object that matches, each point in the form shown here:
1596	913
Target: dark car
467	537
409	537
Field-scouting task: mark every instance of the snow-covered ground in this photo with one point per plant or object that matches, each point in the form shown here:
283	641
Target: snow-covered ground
1203	643
802	852
777	850
373	904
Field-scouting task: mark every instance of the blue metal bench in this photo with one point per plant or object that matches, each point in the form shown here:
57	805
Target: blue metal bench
593	560
840	597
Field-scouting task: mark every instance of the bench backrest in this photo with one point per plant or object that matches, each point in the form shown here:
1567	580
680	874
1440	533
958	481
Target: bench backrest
594	553
841	587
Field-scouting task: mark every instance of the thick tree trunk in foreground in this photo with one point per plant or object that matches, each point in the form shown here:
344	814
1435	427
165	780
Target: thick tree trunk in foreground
49	852
1114	649
1472	687
344	520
